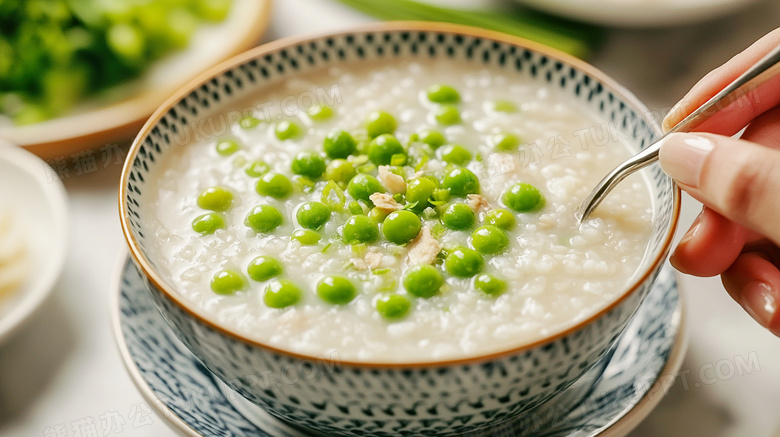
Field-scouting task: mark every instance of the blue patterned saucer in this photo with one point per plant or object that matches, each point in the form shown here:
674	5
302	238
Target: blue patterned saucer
610	400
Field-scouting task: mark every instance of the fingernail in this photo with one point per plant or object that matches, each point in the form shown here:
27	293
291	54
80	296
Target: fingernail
667	122
759	301
685	239
682	157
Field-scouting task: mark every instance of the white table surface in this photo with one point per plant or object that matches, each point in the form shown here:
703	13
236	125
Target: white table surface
62	376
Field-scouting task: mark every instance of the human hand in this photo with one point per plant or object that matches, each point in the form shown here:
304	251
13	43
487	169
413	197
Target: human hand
737	234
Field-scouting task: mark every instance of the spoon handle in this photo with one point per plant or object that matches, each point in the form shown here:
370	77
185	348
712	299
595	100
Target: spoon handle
763	70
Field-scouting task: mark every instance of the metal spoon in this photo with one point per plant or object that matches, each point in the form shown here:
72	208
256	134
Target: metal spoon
760	72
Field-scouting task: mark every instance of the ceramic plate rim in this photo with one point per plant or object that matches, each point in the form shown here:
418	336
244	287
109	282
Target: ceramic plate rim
620	426
649	15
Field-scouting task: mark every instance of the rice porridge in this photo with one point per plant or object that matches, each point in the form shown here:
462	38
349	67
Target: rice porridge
416	212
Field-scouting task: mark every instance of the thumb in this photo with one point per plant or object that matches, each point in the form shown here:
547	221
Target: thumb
737	178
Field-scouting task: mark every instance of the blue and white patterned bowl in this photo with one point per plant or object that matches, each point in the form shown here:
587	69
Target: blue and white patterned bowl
382	399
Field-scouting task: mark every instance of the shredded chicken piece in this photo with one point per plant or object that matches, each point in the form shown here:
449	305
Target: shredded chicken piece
418	174
370	261
390	180
385	202
476	202
424	248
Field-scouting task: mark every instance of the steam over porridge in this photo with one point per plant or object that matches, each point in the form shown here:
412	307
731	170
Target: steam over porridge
417	212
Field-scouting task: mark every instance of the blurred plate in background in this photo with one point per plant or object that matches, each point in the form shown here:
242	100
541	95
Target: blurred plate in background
94	125
638	13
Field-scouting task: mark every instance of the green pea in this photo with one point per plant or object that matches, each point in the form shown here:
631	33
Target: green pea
306	237
423	280
500	218
458	216
463	262
382	148
215	199
227	282
443	94
339	144
340	171
286	130
461	181
227	147
360	229
320	112
503	106
523	197
208	223
489	239
446	115
393	306
433	138
264	268
336	290
313	215
454	154
419	191
282	293
274	184
506	142
489	284
401	226
362	186
257	168
380	122
263	218
309	164
248	122
378	215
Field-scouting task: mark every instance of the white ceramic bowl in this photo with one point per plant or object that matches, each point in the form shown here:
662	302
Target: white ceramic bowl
38	201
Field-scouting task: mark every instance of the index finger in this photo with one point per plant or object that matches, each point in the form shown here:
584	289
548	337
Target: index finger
736	115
